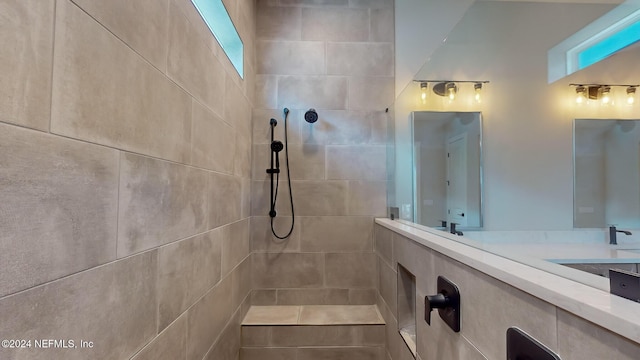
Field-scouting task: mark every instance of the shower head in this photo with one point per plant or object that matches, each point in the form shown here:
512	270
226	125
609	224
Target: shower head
311	116
276	146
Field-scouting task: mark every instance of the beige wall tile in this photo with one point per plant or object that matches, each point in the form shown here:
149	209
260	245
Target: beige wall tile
580	339
370	93
120	295
373	4
362	296
187	270
347	162
141	24
59	200
291	57
213	141
160	202
26	62
281	23
263	297
360	59
266	92
169	344
315	2
306	162
383	239
351	353
350	270
261	203
188	9
256	335
245	206
319	197
318	92
235	244
136	107
382	25
242	161
387	281
287	270
242	282
224	199
340	315
269	353
263	240
192	64
339	127
262	129
336	233
237	109
313	296
228	344
207	318
272	315
367	198
336	335
335	24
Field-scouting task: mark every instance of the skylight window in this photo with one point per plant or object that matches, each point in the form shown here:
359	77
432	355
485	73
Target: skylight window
217	18
609	46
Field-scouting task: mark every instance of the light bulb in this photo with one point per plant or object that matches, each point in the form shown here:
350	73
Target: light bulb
631	95
424	89
606	95
452	89
478	89
581	94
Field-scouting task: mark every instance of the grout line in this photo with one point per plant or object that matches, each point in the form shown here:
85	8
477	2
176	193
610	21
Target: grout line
53	58
120	155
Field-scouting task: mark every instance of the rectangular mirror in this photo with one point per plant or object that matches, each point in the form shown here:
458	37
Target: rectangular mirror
447	163
606	160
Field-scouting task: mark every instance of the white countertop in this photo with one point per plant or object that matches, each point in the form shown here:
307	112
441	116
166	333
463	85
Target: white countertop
611	312
570	253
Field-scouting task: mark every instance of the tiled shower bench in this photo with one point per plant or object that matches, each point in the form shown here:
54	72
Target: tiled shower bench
313	332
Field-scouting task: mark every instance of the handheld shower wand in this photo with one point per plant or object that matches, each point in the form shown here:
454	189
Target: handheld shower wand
276	147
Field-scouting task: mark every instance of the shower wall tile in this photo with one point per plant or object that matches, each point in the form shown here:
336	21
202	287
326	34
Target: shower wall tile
213	145
260	199
187	270
340	127
336	233
59	200
595	342
241	279
141	24
291	57
362	296
266	92
121	114
235	244
229	342
373	4
171	343
383	239
313	296
370	93
247	353
360	59
356	163
120	295
367	198
242	160
350	270
245	205
262	240
315	2
318	92
306	162
271	21
192	64
387	279
207	318
287	270
382	25
335	24
320	198
223	199
262	128
159	202
26	75
237	110
263	297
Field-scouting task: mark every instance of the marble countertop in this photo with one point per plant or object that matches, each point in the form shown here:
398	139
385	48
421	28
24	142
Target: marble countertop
592	303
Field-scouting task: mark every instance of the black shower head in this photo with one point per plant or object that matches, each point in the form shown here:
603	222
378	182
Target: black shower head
277	146
311	116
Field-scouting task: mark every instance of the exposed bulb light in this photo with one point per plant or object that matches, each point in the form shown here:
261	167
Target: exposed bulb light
581	94
452	89
424	90
631	95
478	89
606	95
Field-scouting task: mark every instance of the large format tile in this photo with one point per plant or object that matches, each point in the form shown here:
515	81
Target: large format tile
208	318
356	162
59	200
315	2
104	92
336	233
332	335
594	341
335	24
272	315
213	141
318	92
306	162
169	344
340	315
192	64
120	296
313	198
224	197
266	92
269	353
384	243
340	127
160	202
270	20
313	296
382	25
228	345
360	59
187	270
350	270
287	270
351	353
291	57
141	24
26	35
367	198
262	128
235	244
371	93
242	282
387	282
263	240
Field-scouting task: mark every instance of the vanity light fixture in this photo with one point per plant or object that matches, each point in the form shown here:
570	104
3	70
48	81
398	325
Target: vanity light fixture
631	95
581	94
606	95
478	89
603	93
424	91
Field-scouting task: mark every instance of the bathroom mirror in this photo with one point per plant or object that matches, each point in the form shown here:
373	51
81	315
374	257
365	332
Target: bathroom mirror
447	163
606	160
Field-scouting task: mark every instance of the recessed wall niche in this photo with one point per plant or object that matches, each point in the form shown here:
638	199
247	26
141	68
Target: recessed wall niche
407	307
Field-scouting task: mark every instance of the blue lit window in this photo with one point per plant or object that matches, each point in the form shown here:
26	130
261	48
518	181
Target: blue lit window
215	15
609	46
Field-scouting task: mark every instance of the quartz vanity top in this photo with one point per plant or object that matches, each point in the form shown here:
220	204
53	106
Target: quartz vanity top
571	253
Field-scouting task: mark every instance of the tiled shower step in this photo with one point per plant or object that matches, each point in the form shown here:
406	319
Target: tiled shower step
311	332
